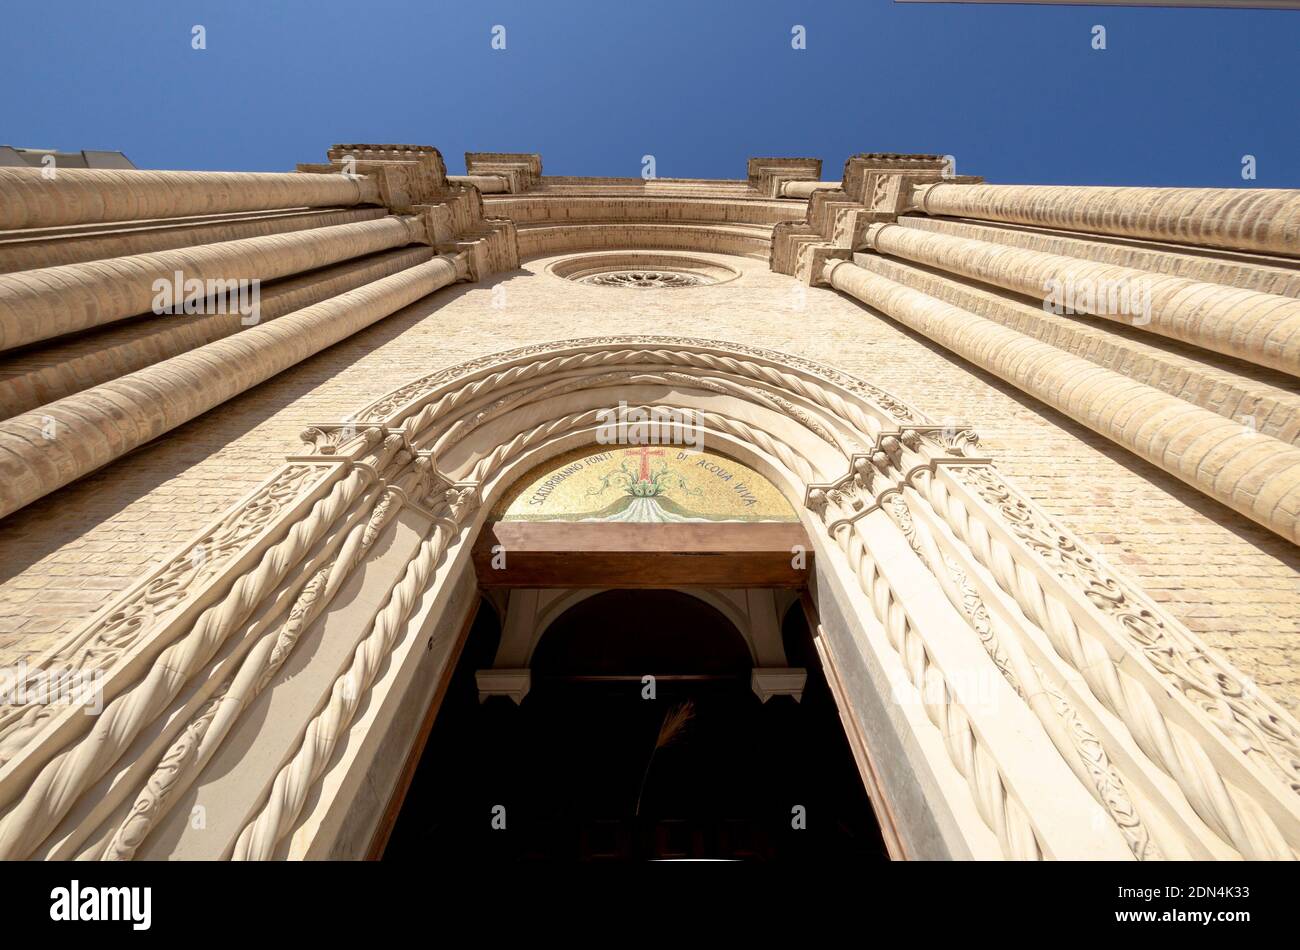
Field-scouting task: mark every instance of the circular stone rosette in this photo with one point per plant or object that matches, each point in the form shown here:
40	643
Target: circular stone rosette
641	270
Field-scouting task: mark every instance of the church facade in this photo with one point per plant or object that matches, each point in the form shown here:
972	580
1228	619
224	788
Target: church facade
1023	459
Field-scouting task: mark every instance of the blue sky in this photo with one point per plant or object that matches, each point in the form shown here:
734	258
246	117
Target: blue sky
1016	93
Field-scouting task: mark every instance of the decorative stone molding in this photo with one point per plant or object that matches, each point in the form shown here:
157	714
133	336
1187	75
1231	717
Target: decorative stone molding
875	189
812	259
767	175
407	175
1046	708
520	171
883	181
614	268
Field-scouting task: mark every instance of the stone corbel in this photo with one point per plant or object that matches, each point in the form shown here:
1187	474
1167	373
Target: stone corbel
889	194
845	501
447	498
340	439
405	175
476	258
514	684
439	222
521	170
394	186
860	170
851	227
812	260
767	682
824	208
497	183
505	237
767	175
956	438
788	238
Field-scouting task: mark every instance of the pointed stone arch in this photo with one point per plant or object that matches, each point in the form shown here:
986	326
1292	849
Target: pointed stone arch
1008	693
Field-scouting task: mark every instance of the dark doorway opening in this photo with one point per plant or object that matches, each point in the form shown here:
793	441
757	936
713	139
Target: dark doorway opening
577	772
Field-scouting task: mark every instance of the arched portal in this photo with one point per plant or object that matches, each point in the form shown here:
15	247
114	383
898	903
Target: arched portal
640	739
1004	691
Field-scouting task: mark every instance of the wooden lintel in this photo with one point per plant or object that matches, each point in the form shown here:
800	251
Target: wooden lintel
554	554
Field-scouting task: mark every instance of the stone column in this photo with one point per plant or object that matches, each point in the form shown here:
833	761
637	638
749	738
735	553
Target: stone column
40	304
92	196
1254	474
1262	328
1261	220
66	366
42	451
33	250
805	189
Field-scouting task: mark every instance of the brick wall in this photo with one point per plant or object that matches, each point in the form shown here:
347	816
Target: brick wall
65	557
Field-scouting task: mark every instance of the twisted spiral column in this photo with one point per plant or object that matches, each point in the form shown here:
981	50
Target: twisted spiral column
1229	811
187	755
1003	814
293	783
69	773
1080	748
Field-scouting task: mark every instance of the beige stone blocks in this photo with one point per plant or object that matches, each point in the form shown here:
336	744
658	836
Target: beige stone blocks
1121	433
767	176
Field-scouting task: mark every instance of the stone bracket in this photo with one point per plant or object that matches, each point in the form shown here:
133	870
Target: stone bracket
514	684
770	681
812	261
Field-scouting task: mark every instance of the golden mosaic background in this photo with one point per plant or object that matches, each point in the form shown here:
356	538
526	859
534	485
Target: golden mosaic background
692	486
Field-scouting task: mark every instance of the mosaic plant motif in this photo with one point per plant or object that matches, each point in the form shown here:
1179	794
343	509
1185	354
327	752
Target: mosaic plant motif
645	484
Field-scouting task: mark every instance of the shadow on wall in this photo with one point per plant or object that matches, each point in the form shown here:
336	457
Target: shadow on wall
1225	517
69	513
